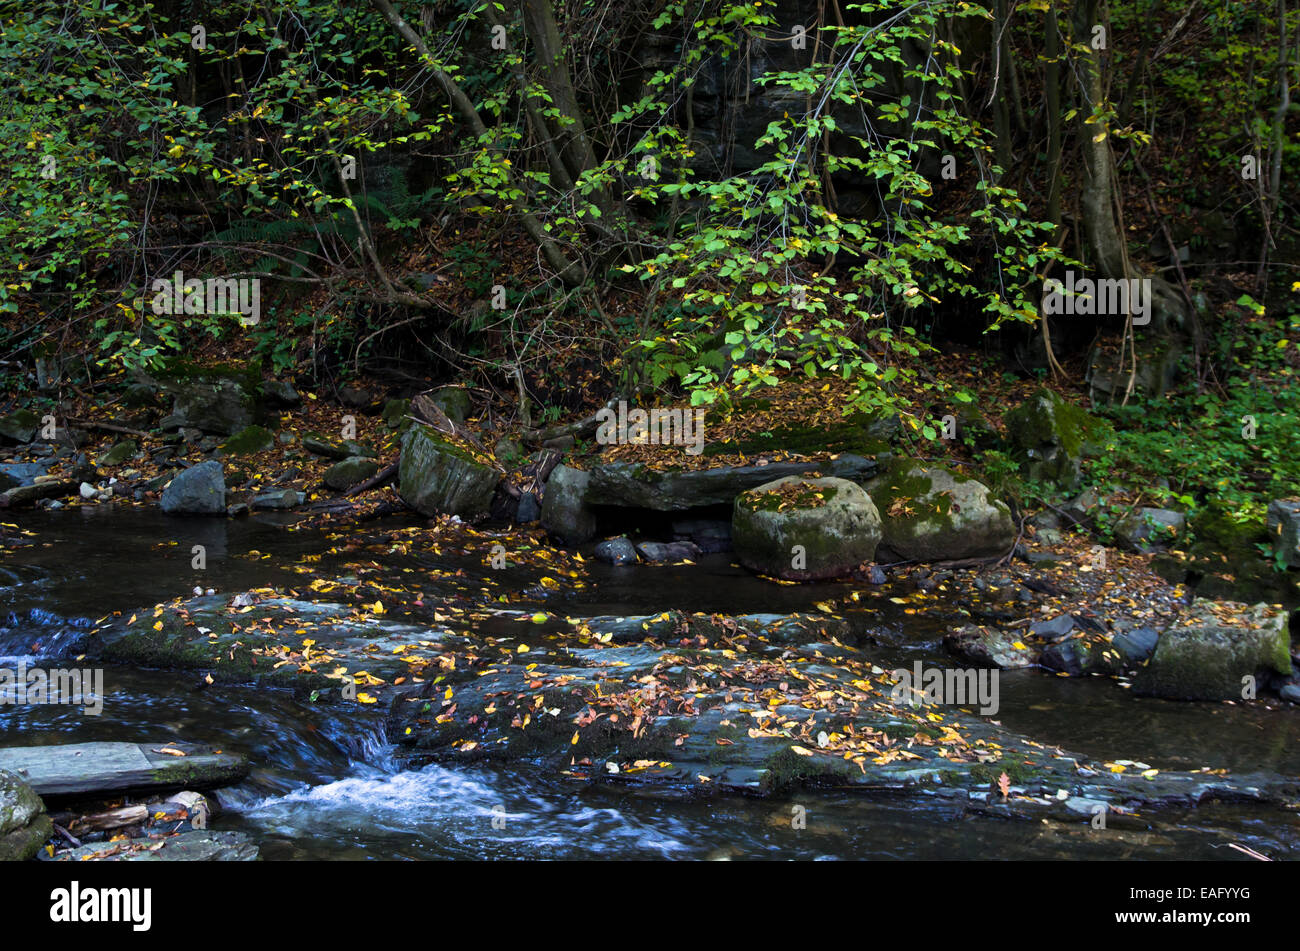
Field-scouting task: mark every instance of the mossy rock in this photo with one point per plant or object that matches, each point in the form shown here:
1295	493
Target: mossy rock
249	440
395	415
23	822
437	476
344	475
824	528
1050	437
930	513
1209	652
121	452
19	426
861	433
454	401
217	398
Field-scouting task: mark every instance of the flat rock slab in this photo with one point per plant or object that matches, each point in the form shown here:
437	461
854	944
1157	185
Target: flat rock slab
110	767
667	490
197	846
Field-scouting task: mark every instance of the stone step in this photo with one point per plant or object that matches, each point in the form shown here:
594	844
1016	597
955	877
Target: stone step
86	768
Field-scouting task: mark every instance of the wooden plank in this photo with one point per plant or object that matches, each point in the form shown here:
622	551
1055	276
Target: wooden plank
86	768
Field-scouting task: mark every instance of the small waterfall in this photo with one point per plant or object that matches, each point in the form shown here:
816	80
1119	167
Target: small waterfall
36	633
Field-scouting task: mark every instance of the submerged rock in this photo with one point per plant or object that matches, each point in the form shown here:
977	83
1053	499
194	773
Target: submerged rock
929	513
1209	653
805	529
199	490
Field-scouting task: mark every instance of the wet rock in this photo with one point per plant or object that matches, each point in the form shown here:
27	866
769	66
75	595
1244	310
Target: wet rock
1290	692
1070	657
90	768
667	490
345	449
199	490
508	451
824	530
565	513
1053	629
876	575
929	513
1150	529
1207	653
195	846
344	475
661	552
24	826
617	551
277	500
1284	529
19	426
439	476
989	647
237	510
1137	645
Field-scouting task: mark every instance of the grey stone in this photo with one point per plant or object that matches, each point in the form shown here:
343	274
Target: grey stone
617	551
832	527
1205	656
1284	527
20	426
1137	645
929	513
658	552
349	472
530	509
277	500
199	490
633	485
437	476
1150	529
565	513
1053	629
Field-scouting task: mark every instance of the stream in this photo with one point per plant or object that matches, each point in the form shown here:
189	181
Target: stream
325	784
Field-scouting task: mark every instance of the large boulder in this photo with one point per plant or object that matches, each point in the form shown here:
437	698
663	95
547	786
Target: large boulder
671	490
805	529
1208	652
1284	528
214	400
23	822
1049	437
929	513
437	475
565	513
198	490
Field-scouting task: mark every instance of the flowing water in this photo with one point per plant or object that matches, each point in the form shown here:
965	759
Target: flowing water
324	785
